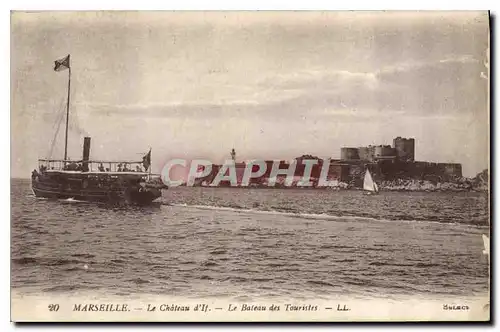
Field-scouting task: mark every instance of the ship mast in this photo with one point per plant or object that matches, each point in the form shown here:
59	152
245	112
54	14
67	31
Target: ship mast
59	65
67	115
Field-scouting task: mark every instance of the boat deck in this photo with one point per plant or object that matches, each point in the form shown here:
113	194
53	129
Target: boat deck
98	172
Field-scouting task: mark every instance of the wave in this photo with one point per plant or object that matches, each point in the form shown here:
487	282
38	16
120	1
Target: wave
83	255
218	251
69	288
236	279
24	260
320	283
320	216
45	261
139	281
209	263
262	279
205	277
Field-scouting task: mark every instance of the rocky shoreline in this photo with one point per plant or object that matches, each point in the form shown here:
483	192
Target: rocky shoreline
478	184
422	185
403	186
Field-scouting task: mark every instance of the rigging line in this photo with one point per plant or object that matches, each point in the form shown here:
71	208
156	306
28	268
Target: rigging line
52	145
59	114
59	121
54	139
74	120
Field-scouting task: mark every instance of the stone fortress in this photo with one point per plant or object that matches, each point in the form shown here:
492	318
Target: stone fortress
385	162
403	149
395	162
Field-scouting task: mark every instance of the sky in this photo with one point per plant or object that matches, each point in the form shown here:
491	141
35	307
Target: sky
272	85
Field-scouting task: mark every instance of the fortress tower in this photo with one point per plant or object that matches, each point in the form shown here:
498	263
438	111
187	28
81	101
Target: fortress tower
405	148
349	154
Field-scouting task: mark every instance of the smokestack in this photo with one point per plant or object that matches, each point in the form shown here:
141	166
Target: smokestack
86	153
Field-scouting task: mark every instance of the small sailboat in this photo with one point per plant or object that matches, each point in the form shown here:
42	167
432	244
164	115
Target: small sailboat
369	186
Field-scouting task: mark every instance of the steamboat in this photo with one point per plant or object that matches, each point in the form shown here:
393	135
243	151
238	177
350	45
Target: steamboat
115	182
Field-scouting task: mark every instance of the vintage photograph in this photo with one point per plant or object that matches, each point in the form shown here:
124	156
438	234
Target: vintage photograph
243	166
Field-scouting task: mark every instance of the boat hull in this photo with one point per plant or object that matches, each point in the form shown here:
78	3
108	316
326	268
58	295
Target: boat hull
135	198
370	193
84	190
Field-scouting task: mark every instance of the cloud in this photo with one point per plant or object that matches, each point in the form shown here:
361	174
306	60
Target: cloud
306	78
460	59
445	86
449	85
413	65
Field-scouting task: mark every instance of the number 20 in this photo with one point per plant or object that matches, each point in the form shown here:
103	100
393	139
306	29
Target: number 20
53	307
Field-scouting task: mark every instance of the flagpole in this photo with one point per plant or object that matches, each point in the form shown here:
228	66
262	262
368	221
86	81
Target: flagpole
67	113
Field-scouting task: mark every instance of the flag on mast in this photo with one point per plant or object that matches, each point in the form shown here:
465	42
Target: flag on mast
146	160
61	64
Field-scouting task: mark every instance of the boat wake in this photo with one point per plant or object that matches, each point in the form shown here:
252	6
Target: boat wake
312	216
32	196
63	200
72	200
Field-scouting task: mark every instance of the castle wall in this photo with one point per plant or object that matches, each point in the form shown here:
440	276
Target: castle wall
388	170
439	172
365	153
384	161
353	171
453	170
383	151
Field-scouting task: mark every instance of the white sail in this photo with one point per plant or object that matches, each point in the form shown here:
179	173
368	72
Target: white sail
368	183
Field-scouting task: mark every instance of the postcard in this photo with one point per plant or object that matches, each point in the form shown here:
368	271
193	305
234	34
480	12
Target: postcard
245	166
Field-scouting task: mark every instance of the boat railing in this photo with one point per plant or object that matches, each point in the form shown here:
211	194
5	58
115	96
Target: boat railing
91	165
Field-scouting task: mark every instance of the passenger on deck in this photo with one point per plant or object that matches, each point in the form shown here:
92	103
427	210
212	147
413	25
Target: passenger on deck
71	167
125	169
138	168
119	168
101	168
